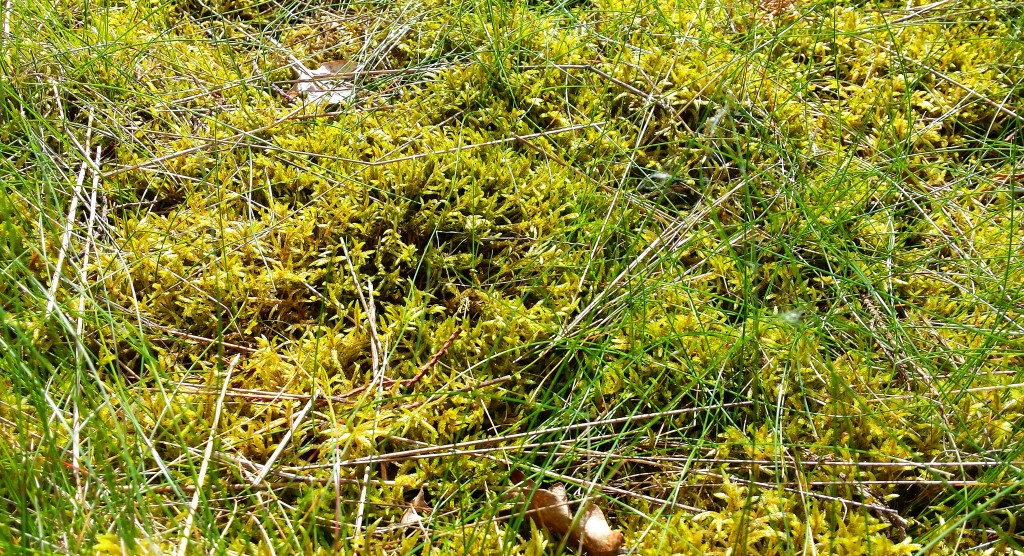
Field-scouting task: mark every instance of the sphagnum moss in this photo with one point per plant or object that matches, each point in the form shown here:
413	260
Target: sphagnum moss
803	217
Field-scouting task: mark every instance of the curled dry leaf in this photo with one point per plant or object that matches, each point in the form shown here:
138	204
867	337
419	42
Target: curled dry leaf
549	509
412	517
322	84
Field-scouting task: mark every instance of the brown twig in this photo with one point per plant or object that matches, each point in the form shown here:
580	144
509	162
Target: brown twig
267	396
475	386
389	382
587	67
445	449
236	139
891	514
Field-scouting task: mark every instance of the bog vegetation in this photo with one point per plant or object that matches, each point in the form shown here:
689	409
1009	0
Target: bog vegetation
289	277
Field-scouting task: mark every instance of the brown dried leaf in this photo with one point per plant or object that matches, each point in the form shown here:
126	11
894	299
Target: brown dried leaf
318	86
549	509
412	517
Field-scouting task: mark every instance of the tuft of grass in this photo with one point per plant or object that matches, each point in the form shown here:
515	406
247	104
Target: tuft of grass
747	274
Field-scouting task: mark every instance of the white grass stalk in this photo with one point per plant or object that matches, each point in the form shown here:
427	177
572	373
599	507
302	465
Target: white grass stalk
284	441
201	480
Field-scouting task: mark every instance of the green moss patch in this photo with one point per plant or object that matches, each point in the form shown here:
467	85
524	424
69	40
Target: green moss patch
538	237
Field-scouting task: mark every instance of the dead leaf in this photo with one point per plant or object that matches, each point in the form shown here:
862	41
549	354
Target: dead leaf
549	509
320	85
774	8
412	516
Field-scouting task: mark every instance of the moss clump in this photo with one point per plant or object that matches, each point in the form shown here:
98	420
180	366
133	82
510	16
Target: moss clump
532	217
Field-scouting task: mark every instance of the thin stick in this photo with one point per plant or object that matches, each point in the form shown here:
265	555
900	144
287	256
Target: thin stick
236	487
284	441
233	140
388	382
433	359
666	240
649	97
51	302
602	487
445	448
1000	107
187	336
245	465
355	277
336	477
206	462
893	514
270	397
376	348
468	388
558	444
185	152
7	20
378	381
80	329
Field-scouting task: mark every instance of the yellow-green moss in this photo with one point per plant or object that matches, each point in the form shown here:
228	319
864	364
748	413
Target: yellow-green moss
814	289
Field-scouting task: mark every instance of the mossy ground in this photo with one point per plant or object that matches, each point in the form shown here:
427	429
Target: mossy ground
801	220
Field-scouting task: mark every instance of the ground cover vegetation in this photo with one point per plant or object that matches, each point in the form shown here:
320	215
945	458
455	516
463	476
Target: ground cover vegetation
745	276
